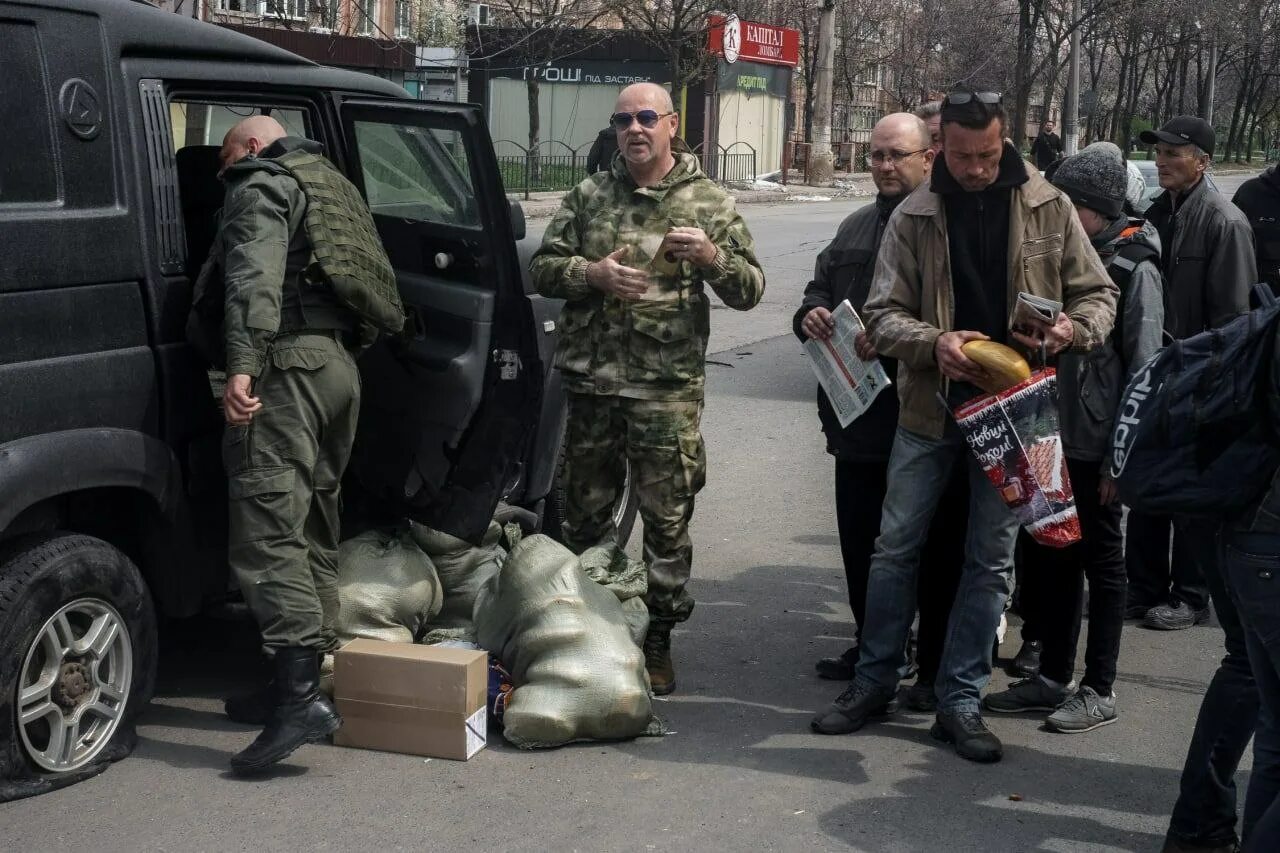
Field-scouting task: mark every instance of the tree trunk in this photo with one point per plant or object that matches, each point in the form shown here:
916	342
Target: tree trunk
821	168
1021	76
533	165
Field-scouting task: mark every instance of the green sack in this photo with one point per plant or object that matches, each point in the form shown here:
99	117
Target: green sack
387	588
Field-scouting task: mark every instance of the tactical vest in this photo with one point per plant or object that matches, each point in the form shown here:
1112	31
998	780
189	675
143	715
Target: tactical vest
347	254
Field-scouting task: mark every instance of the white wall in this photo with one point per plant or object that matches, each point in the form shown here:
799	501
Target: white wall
757	119
570	112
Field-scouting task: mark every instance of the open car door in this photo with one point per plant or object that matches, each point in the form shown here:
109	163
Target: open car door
448	406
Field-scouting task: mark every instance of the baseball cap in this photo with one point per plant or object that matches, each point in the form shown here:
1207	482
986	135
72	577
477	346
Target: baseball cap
1182	130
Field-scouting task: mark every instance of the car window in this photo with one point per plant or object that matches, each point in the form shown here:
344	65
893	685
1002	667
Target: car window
416	173
196	123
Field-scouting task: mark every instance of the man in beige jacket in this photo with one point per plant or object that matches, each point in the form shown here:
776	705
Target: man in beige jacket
954	257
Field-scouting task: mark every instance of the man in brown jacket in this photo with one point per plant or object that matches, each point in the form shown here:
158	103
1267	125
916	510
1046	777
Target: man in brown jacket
954	257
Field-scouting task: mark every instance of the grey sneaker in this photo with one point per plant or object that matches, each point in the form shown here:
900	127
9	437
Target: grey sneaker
1030	694
1083	712
1175	616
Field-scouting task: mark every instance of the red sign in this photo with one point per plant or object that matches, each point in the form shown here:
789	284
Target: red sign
752	42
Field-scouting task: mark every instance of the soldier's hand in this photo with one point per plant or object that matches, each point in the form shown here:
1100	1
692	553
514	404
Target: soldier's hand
952	361
238	402
692	244
611	276
817	324
863	346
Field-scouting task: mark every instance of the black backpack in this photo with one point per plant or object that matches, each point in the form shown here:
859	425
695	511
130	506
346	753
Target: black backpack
1193	435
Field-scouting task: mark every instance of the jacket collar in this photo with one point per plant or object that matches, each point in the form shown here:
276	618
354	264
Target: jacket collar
1033	189
1164	201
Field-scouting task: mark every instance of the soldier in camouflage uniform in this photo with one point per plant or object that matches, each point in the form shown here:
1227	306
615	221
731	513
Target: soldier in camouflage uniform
291	403
631	252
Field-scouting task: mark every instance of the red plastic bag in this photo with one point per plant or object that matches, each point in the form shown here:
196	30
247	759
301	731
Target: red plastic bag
1015	437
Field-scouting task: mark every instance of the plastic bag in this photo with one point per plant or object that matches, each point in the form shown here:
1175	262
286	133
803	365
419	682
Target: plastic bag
564	638
462	568
387	588
1014	435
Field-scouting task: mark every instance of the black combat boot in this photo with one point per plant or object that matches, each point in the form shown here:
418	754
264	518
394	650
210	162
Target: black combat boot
253	708
302	714
657	658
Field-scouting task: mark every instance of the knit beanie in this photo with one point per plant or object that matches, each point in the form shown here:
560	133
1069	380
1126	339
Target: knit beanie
1096	178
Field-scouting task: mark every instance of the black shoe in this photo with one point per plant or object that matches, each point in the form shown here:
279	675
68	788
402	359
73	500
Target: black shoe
1026	663
972	738
1174	616
853	708
838	668
302	714
254	708
922	696
1137	610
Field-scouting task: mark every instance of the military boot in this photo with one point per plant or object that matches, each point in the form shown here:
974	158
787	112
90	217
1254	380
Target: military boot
302	714
253	708
657	659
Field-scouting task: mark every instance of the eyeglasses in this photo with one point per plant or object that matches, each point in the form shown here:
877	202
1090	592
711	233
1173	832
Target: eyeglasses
879	158
959	98
647	119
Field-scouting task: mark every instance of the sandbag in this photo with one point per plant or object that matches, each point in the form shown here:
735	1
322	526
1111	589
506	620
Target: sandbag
387	588
579	675
628	579
462	568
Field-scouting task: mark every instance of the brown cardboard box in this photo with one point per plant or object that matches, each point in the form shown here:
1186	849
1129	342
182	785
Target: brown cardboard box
401	697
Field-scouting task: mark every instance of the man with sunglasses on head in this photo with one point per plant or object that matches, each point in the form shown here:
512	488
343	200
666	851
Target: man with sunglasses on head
900	158
955	254
632	251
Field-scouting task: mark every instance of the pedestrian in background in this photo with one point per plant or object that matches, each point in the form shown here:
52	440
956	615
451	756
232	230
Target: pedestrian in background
1259	200
1047	146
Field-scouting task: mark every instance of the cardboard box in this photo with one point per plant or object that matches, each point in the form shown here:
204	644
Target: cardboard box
421	700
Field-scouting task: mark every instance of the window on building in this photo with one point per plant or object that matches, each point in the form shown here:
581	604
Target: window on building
239	7
291	9
404	19
366	12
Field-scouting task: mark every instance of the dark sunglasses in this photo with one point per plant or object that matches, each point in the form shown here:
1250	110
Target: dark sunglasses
958	98
647	118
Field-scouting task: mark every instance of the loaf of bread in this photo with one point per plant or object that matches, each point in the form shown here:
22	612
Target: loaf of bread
1004	366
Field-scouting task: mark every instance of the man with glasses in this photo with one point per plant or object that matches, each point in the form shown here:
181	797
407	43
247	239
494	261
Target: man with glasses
954	256
900	159
632	252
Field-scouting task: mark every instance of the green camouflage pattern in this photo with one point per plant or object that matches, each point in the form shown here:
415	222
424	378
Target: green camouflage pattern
284	474
662	441
655	348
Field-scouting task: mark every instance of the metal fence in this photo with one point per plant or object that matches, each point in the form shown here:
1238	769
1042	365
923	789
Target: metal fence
735	164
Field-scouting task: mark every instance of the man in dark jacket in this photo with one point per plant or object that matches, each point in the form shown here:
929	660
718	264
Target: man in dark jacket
1259	200
600	157
900	159
1046	147
1208	264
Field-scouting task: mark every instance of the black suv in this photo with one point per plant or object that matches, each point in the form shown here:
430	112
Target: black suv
112	495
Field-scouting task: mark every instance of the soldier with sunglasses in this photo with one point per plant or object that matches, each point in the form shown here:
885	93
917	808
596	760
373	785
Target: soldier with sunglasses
632	252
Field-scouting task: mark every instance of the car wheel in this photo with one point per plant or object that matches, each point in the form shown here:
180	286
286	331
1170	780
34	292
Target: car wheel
77	621
624	511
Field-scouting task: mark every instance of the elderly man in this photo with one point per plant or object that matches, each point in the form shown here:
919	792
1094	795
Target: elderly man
632	251
954	257
931	114
900	159
292	400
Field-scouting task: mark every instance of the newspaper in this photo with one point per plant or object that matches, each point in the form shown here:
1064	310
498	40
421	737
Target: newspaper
851	383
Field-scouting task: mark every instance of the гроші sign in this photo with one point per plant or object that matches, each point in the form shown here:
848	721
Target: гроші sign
752	42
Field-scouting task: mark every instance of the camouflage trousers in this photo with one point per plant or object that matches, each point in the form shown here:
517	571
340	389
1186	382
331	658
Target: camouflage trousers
669	467
284	474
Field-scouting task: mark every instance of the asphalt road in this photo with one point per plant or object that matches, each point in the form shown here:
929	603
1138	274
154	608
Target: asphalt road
741	770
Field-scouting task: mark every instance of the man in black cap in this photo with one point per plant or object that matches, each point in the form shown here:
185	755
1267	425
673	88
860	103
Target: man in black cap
1208	262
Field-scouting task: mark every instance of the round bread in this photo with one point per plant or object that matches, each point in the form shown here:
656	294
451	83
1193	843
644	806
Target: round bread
1004	366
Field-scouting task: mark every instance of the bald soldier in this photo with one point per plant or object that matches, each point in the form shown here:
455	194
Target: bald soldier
632	252
291	402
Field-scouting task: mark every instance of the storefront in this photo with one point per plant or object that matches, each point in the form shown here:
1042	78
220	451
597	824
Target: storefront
747	99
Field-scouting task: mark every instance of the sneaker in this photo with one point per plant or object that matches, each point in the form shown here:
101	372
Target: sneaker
1135	610
1029	694
921	696
972	738
1083	712
1026	664
852	708
1174	616
839	668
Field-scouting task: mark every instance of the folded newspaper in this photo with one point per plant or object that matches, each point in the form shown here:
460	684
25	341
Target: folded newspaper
851	383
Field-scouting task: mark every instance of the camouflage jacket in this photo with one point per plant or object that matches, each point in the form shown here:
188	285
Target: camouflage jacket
652	349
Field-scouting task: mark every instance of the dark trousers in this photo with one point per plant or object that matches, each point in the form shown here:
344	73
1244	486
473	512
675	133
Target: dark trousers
1205	812
1053	588
1154	579
860	491
1252	566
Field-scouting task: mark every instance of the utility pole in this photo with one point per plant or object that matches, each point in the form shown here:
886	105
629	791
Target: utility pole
1071	110
1213	76
821	167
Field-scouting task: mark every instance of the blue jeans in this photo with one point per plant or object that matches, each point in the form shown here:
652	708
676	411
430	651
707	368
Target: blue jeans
919	468
1205	812
1252	563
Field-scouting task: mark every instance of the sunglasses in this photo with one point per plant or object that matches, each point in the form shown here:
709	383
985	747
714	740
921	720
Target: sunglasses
647	119
989	98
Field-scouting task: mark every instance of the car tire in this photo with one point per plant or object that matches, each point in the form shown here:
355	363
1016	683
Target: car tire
624	512
77	660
